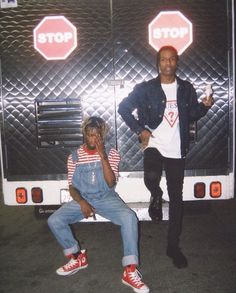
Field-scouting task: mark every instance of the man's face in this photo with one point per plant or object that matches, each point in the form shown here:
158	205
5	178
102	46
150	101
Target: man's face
91	135
168	62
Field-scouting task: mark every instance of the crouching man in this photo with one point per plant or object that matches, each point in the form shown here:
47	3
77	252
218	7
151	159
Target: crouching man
92	175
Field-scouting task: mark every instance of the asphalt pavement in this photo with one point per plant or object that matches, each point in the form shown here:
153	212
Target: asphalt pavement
29	255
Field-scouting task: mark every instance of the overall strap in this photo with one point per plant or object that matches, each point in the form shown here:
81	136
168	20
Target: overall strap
74	155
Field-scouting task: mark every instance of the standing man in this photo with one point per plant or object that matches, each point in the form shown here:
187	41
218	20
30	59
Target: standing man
92	175
165	107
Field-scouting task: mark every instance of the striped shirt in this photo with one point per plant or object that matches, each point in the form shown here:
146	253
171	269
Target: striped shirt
84	158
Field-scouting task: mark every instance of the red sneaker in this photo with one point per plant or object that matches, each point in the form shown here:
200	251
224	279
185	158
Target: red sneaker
132	278
74	265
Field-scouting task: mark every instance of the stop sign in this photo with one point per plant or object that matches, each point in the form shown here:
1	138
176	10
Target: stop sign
55	37
170	28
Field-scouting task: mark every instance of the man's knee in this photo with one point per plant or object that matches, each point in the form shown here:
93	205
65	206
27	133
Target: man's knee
131	217
53	221
151	180
150	176
127	217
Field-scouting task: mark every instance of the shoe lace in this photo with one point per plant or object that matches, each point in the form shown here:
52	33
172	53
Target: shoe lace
70	264
136	277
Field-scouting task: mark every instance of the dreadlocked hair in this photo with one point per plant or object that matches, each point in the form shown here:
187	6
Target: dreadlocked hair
95	122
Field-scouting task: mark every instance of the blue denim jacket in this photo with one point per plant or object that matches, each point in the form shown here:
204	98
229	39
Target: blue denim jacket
149	99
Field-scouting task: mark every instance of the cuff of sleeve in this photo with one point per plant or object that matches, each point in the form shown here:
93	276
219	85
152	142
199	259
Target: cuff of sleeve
205	108
139	130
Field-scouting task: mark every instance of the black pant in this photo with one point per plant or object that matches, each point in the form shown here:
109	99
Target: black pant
154	163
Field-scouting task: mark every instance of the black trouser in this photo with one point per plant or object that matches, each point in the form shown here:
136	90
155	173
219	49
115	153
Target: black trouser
154	163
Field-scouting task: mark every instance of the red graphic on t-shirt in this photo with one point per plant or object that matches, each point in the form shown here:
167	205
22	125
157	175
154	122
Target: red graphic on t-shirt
171	112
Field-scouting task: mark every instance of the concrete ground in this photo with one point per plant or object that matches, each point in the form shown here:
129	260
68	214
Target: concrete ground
29	254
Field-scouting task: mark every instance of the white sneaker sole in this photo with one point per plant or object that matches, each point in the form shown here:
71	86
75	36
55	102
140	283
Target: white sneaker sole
142	290
63	273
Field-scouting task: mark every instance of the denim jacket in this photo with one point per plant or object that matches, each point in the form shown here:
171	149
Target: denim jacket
149	99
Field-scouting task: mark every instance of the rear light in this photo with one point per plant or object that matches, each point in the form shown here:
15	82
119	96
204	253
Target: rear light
37	194
21	195
215	189
199	190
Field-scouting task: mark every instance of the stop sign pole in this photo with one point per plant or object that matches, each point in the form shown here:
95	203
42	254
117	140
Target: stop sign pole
170	28
55	37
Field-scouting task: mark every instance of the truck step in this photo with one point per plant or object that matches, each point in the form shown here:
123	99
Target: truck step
141	210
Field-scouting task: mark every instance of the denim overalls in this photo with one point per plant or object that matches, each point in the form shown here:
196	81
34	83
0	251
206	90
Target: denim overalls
89	180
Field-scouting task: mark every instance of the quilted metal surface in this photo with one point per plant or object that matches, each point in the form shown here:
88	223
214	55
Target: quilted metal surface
112	44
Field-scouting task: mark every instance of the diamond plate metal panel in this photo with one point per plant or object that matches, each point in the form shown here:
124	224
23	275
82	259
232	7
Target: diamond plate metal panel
112	45
27	76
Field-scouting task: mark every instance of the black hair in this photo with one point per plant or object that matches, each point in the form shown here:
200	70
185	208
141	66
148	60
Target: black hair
166	48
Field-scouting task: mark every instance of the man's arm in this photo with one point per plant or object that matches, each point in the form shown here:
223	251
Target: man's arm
86	208
128	105
198	110
75	194
108	173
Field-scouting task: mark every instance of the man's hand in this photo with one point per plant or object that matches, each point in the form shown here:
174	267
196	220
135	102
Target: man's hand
208	101
100	146
144	138
86	208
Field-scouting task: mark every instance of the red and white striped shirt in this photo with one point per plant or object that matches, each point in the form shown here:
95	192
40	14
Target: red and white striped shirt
84	158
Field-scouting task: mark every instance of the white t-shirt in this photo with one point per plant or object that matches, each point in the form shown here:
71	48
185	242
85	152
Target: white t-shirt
166	137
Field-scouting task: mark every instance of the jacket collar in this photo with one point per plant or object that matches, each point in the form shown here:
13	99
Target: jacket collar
179	80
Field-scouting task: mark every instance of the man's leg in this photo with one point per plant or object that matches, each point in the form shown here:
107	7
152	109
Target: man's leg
153	162
59	223
175	177
113	208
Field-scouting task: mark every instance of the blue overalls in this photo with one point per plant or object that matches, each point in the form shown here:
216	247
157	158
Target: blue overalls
89	180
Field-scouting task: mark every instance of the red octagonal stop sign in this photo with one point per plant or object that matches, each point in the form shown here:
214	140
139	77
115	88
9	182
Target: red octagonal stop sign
55	37
170	28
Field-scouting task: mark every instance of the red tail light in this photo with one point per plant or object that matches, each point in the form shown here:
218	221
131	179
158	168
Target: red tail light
37	194
199	190
215	189
21	195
